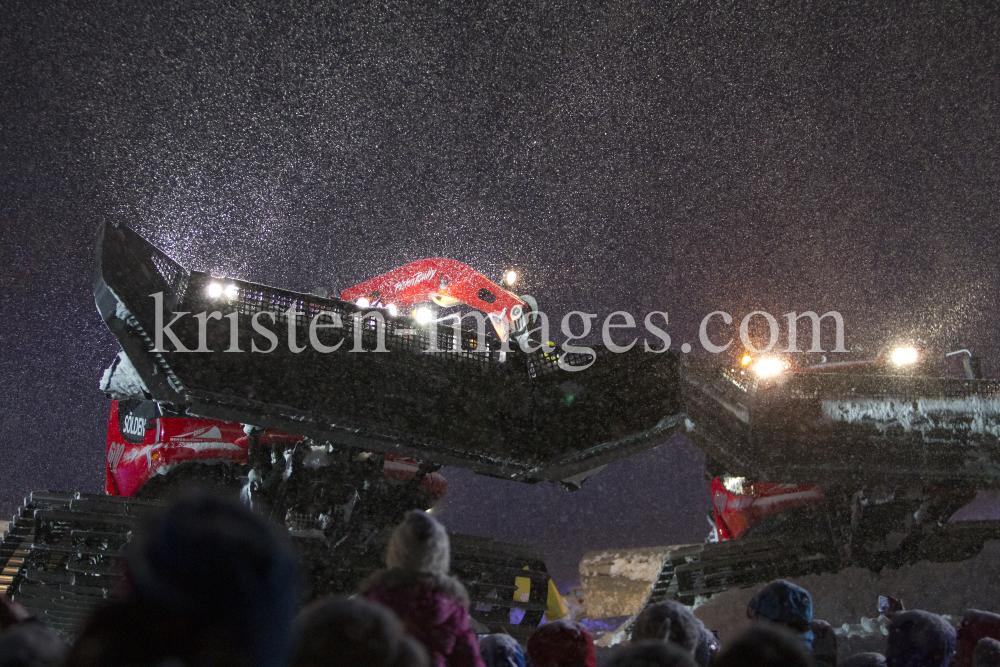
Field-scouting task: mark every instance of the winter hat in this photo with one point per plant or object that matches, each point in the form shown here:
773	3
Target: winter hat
355	632
987	653
765	645
975	625
919	639
213	563
31	644
651	653
500	650
419	543
668	621
785	603
561	643
824	646
864	660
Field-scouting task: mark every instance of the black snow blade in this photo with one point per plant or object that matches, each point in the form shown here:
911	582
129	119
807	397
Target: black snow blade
853	429
472	404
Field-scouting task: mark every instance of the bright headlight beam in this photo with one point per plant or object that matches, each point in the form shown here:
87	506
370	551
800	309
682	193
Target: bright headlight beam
231	291
214	290
363	302
769	367
902	356
423	315
510	277
393	310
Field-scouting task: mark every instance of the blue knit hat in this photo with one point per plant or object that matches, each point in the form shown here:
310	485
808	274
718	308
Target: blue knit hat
785	603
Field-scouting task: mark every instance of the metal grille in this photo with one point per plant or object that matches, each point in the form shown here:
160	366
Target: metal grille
172	272
400	333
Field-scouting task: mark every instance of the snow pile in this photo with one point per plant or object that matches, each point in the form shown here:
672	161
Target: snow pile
973	414
121	381
616	583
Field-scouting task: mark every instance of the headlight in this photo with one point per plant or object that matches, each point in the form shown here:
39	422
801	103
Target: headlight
214	290
903	356
510	277
770	367
363	302
393	310
231	291
734	485
423	315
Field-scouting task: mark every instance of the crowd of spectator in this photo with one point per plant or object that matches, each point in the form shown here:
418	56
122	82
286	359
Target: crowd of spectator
210	583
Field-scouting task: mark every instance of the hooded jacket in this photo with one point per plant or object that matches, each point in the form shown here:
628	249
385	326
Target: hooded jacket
433	606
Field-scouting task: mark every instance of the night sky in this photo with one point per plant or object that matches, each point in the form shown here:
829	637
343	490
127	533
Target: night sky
627	156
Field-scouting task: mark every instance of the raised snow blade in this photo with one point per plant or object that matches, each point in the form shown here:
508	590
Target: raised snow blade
853	428
507	414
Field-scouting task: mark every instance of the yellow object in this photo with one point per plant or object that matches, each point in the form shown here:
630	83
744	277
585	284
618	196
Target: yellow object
523	588
557	606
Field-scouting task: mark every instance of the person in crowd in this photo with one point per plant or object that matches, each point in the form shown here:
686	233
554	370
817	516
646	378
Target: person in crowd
209	583
864	660
919	639
29	643
986	653
824	648
501	650
708	647
974	626
562	643
765	645
334	632
671	622
433	606
786	604
651	653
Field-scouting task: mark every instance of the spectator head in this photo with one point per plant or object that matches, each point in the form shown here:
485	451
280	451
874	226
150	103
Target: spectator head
419	543
347	633
824	646
31	644
765	645
500	650
561	643
126	633
919	639
225	571
651	653
668	622
987	653
785	603
864	660
708	646
975	625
